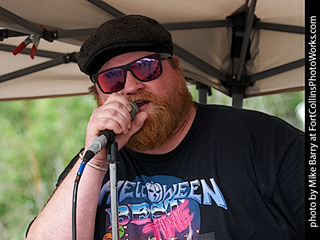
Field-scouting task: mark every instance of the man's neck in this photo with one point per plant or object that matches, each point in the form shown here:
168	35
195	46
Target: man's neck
178	136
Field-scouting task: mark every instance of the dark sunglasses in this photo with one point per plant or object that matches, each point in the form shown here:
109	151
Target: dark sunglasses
144	69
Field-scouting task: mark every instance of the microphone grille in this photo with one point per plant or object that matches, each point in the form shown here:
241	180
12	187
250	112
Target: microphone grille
134	109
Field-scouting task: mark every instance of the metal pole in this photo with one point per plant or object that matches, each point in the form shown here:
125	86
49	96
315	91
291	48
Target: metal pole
113	160
114	201
22	22
245	42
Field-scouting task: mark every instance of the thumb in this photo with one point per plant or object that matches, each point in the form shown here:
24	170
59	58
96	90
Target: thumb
137	122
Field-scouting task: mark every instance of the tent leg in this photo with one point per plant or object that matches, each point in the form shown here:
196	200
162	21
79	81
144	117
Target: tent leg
202	97
237	100
202	93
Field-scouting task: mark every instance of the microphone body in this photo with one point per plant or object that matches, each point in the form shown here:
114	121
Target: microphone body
106	137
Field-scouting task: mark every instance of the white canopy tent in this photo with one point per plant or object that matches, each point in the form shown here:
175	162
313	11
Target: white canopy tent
241	48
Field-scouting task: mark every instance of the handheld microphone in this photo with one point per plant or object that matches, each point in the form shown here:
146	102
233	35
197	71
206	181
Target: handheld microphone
106	137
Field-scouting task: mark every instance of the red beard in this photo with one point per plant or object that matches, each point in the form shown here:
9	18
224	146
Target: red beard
165	116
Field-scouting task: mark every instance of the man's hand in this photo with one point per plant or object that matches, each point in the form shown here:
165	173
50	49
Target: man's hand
114	115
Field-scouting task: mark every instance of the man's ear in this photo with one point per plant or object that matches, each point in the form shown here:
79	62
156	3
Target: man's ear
176	62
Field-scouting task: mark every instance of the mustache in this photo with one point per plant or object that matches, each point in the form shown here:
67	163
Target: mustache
147	97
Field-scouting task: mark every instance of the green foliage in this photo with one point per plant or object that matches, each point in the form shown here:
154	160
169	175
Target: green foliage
39	138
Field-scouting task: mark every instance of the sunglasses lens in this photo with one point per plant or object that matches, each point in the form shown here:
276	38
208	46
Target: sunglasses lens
146	69
111	81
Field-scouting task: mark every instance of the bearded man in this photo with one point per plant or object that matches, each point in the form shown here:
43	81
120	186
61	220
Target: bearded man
185	171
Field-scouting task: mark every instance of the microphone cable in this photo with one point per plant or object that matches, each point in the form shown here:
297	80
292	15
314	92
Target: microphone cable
75	195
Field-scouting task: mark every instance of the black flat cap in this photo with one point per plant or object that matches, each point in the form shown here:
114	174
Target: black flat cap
121	35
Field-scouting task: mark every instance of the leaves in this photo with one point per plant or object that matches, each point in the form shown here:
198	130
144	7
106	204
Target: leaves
38	139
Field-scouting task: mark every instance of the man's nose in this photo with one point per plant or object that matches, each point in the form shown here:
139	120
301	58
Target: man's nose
132	84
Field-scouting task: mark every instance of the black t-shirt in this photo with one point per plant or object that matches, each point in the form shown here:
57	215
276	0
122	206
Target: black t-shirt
237	174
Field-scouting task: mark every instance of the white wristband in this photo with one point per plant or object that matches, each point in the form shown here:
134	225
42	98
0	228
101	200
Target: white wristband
91	164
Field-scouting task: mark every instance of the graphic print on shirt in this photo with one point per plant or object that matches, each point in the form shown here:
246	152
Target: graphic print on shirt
161	207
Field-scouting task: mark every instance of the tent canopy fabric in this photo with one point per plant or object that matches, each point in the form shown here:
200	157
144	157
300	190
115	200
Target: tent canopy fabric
241	48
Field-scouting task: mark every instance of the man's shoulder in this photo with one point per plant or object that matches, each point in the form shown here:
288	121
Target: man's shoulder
252	119
228	112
